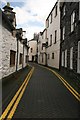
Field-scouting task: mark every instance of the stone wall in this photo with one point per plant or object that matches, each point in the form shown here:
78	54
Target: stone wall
71	38
8	43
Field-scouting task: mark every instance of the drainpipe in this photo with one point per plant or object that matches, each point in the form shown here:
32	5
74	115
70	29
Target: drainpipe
23	56
17	56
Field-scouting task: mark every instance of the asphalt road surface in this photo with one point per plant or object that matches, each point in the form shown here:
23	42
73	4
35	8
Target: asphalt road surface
46	97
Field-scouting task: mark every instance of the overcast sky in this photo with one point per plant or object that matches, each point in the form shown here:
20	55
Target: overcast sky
31	14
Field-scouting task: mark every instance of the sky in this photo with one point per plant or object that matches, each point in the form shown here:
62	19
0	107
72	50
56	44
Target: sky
31	14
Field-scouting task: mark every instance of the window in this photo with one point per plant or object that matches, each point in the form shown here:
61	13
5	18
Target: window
52	55
78	67
55	36
21	58
50	39
63	33
26	58
79	10
71	58
64	12
12	58
72	21
47	22
42	36
65	58
42	58
51	18
56	11
48	56
42	46
31	50
62	63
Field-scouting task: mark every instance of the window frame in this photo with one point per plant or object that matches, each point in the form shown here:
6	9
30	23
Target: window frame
12	58
73	15
78	61
55	37
63	33
56	10
62	59
71	58
66	58
53	55
50	39
51	17
21	58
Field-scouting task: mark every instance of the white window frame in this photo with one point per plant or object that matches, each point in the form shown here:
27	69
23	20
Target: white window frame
71	58
64	10
72	21
62	60
78	64
63	32
66	58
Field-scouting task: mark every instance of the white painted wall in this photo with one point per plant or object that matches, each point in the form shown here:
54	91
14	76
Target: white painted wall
33	45
55	48
8	43
25	53
20	50
0	51
41	52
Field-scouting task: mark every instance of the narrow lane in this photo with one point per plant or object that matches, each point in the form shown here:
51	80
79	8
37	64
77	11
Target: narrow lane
46	97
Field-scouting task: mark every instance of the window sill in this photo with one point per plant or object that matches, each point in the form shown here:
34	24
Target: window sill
20	64
63	16
71	33
12	65
54	42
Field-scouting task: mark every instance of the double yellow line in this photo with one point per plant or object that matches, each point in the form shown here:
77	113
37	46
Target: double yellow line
11	108
67	85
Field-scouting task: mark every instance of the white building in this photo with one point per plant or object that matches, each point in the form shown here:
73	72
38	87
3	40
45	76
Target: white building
42	56
11	53
53	36
32	50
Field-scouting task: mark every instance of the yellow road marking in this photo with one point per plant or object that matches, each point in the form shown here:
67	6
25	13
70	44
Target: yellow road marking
14	98
67	85
18	99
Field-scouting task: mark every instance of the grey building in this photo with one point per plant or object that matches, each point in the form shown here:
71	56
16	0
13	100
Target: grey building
70	38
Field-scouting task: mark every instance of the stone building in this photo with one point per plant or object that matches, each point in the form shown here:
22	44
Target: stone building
22	49
32	50
8	44
42	56
53	36
70	38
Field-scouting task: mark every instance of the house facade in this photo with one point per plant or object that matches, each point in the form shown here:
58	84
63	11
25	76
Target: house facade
32	50
70	38
42	56
9	50
53	37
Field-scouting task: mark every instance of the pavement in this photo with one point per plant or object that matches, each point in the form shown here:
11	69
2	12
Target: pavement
11	84
46	97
